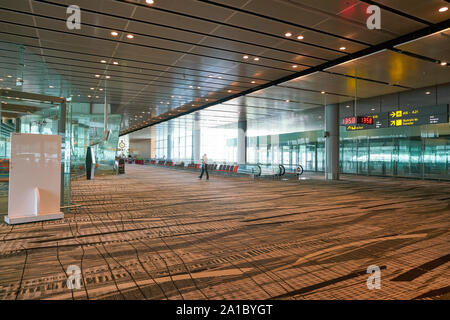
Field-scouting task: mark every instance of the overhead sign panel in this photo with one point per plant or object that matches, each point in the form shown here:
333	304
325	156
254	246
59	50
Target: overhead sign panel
407	116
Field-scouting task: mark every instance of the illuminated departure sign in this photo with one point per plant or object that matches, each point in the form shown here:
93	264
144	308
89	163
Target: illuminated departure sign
406	116
357	120
413	116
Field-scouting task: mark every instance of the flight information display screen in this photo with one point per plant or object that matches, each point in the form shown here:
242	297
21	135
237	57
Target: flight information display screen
404	116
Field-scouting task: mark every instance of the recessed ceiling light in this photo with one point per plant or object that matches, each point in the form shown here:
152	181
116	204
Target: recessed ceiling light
130	36
100	89
89	96
288	34
288	100
347	106
322	92
229	91
373	109
300	37
443	9
115	63
428	92
9	76
295	66
103	61
256	59
96	97
107	77
191	87
443	63
114	33
51	87
97	76
342	48
149	1
199	87
219	77
245	57
210	76
92	88
253	81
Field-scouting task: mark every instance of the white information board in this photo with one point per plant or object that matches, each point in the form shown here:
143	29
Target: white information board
34	178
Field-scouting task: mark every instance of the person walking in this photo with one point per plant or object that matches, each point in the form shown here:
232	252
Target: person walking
204	167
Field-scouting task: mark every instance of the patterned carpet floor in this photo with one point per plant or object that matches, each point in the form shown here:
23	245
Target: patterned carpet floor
157	233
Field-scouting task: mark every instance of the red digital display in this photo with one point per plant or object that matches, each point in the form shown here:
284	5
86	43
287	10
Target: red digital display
348	120
365	120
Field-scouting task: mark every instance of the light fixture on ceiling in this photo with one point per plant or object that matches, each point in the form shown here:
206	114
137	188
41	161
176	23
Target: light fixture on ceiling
245	57
443	63
107	77
191	87
287	100
130	36
295	66
256	58
342	48
229	91
115	63
9	76
219	77
373	109
210	76
101	89
322	92
114	33
347	106
149	1
92	88
103	61
300	37
199	87
428	92
51	87
288	34
89	95
97	76
253	81
443	9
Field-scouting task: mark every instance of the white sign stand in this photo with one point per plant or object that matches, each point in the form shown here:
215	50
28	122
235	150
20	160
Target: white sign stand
34	178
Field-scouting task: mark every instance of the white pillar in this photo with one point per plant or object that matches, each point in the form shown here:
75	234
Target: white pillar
242	142
332	142
196	134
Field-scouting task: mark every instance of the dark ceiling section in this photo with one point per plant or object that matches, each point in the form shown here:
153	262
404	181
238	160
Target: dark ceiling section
189	55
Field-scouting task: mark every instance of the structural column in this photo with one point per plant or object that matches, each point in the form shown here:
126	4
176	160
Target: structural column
242	142
332	142
169	140
196	134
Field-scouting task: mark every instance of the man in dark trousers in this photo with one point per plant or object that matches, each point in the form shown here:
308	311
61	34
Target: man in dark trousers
204	167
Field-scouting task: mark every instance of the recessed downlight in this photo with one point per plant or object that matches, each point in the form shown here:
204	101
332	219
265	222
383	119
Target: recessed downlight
288	34
443	9
130	36
114	33
256	58
342	48
300	37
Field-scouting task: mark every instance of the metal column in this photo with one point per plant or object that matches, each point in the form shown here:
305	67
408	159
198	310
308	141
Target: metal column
242	142
332	142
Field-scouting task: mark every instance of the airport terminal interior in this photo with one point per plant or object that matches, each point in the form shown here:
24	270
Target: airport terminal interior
224	149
